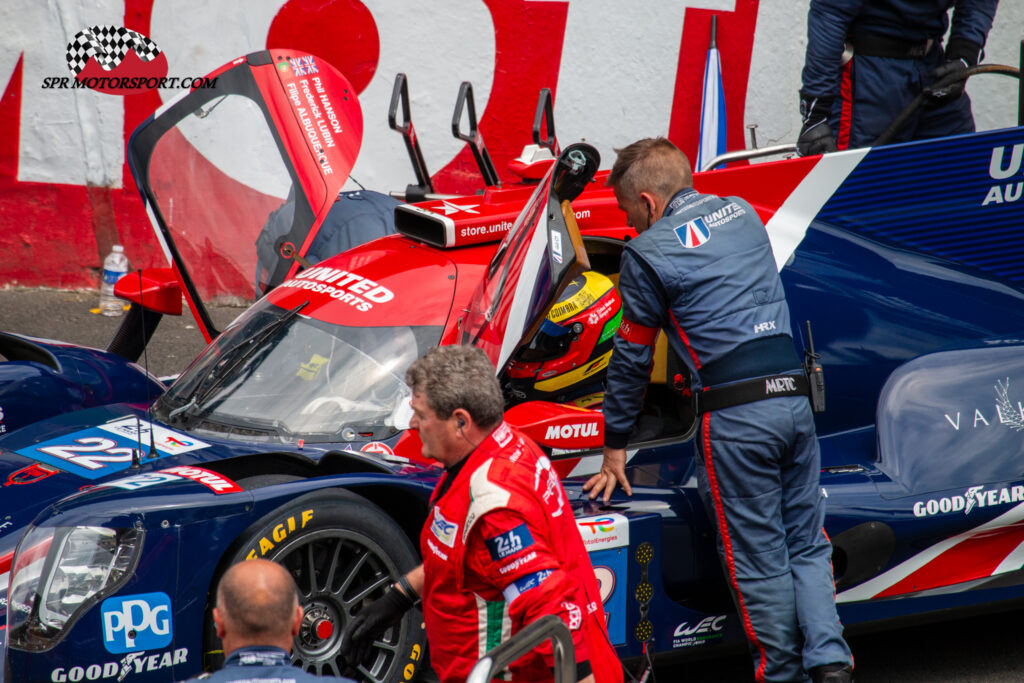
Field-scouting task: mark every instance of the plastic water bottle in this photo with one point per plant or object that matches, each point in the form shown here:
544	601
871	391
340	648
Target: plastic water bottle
115	266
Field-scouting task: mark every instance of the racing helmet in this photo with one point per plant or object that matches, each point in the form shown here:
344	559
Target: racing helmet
567	358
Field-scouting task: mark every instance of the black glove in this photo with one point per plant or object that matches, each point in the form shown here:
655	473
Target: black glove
961	55
815	135
370	624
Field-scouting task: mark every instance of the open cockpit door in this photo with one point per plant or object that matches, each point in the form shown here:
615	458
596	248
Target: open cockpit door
238	177
537	259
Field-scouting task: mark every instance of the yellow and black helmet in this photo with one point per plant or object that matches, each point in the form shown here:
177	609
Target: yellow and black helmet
567	358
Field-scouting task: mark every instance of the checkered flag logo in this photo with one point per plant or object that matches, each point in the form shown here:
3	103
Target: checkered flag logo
109	45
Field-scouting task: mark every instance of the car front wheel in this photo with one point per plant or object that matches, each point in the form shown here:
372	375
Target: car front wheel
343	552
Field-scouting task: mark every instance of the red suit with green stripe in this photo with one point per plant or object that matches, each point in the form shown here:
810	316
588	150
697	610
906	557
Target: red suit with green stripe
706	275
500	550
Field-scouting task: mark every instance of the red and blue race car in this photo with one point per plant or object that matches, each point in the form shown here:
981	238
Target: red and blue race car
287	437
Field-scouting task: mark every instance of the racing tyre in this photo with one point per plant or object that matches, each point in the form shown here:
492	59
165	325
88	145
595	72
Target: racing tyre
344	552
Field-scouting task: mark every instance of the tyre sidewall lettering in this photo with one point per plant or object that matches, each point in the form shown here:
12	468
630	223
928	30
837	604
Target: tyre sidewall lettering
280	532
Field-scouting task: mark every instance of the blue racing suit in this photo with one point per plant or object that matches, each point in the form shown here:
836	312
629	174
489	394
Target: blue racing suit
872	88
706	275
262	664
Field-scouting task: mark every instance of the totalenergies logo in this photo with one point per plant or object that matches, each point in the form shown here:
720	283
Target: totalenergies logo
601	524
606	531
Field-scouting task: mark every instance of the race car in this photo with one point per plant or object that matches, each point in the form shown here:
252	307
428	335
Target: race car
286	439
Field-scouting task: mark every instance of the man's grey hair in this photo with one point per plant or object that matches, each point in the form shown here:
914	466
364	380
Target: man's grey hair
452	377
652	165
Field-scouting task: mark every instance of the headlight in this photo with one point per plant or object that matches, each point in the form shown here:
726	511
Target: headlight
58	573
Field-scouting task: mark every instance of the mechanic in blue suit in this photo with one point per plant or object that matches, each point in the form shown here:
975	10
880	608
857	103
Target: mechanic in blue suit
258	616
702	270
868	59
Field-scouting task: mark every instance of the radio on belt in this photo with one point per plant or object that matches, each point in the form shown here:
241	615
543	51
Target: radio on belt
815	377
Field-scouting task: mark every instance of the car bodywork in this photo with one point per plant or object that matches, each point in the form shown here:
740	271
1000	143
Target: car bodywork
906	259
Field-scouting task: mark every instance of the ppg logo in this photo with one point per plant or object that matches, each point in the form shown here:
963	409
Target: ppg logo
136	622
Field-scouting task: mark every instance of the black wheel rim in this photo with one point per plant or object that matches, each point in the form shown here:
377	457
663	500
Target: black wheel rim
338	572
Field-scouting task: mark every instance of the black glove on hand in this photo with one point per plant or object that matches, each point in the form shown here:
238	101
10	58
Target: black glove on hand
815	135
960	56
370	624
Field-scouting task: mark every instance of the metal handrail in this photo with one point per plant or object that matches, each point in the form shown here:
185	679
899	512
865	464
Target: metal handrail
745	154
548	627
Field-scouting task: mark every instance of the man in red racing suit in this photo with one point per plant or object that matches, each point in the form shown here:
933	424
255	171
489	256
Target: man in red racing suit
500	550
500	545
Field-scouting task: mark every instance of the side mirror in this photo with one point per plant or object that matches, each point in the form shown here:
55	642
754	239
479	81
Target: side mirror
154	289
154	292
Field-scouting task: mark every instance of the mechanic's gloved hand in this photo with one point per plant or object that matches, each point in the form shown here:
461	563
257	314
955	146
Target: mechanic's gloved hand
961	55
815	135
370	624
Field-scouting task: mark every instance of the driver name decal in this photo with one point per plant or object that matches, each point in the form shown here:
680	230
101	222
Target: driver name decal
100	451
342	285
317	124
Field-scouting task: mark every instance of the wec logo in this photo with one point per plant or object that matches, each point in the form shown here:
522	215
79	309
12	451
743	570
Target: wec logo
444	530
136	622
705	625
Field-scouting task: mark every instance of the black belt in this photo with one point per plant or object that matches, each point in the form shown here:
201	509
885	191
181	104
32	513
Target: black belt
750	390
881	46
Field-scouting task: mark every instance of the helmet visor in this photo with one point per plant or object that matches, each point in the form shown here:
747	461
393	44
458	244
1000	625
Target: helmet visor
551	341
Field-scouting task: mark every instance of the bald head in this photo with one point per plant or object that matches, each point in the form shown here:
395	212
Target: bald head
257	604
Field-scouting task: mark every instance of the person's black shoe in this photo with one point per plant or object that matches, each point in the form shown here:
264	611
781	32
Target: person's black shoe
832	673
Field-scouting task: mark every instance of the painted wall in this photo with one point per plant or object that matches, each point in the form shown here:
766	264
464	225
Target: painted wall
619	71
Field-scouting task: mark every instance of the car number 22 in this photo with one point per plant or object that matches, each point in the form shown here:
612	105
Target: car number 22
91	452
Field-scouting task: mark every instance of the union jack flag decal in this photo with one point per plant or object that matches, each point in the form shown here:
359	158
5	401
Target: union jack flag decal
693	234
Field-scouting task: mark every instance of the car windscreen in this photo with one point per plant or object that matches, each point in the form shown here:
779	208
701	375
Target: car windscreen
275	374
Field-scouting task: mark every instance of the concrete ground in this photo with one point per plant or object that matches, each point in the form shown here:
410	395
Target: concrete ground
68	316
